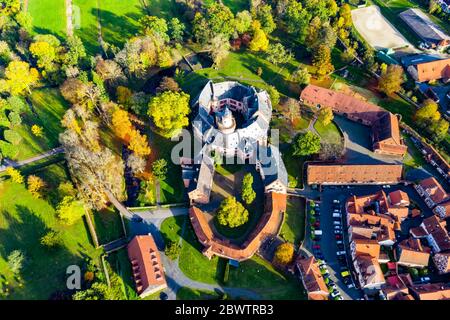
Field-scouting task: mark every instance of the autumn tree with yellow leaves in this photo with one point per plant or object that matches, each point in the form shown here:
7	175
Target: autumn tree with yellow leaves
19	78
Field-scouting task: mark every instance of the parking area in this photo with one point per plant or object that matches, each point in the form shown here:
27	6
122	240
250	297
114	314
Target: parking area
330	241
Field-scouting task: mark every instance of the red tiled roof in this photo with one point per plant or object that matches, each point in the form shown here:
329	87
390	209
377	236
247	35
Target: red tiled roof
312	278
146	263
413	253
434	189
357	174
431	291
215	245
433	70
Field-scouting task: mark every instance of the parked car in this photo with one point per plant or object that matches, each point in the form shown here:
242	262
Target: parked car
338	236
340	253
345	274
425	279
337	223
338	232
317	224
339	242
335	294
316	246
336	201
340	246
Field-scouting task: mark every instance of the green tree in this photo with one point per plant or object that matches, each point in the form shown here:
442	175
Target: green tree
264	15
322	61
232	213
154	26
172	250
325	115
301	76
51	239
439	129
277	54
306	144
218	19
248	194
219	47
70	210
391	80
274	95
176	30
159	169
168	111
16	261
427	113
243	22
98	291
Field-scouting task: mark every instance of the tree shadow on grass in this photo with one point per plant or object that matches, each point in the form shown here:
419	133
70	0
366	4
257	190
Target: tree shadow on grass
114	27
45	269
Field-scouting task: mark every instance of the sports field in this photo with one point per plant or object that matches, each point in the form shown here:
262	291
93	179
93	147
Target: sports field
377	31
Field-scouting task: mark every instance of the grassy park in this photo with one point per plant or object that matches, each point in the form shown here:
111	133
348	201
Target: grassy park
49	16
44	273
293	228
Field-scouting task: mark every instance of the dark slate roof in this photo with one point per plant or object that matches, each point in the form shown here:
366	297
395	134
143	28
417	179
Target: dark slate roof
422	25
272	165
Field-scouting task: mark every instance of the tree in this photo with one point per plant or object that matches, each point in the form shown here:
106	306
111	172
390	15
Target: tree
66	189
301	76
172	250
427	113
277	54
51	239
248	194
98	291
391	80
176	30
296	19
218	19
138	144
325	115
293	109
122	125
37	131
439	129
169	111
168	84
259	42
345	12
147	193
264	16
152	25
136	164
109	71
331	151
243	21
274	95
322	61
219	48
306	144
16	261
15	175
159	168
44	53
76	51
19	77
35	185
70	210
284	254
231	213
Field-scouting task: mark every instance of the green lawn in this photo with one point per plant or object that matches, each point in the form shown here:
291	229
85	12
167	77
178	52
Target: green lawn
23	221
119	18
194	264
194	294
121	265
88	29
258	275
50	108
413	158
329	133
171	228
242	66
108	225
49	16
293	229
294	168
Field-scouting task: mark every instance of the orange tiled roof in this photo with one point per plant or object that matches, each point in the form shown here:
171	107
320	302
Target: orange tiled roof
412	252
431	291
433	70
434	189
312	278
365	225
367	246
399	197
385	126
357	174
148	272
216	245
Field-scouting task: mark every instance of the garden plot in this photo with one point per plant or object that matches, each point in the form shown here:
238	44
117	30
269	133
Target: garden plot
376	30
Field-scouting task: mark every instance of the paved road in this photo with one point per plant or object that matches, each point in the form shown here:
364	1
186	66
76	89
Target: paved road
10	163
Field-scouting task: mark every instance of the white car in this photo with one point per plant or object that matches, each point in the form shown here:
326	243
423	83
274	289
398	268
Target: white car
337	231
425	279
337	228
336	223
340	253
335	294
336	201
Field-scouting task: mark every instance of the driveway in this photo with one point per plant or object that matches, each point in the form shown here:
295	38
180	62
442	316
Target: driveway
358	144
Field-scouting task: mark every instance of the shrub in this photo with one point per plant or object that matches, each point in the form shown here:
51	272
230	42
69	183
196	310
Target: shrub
16	261
284	254
51	239
172	250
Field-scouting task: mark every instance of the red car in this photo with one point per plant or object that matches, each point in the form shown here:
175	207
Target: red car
338	237
316	246
317	224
